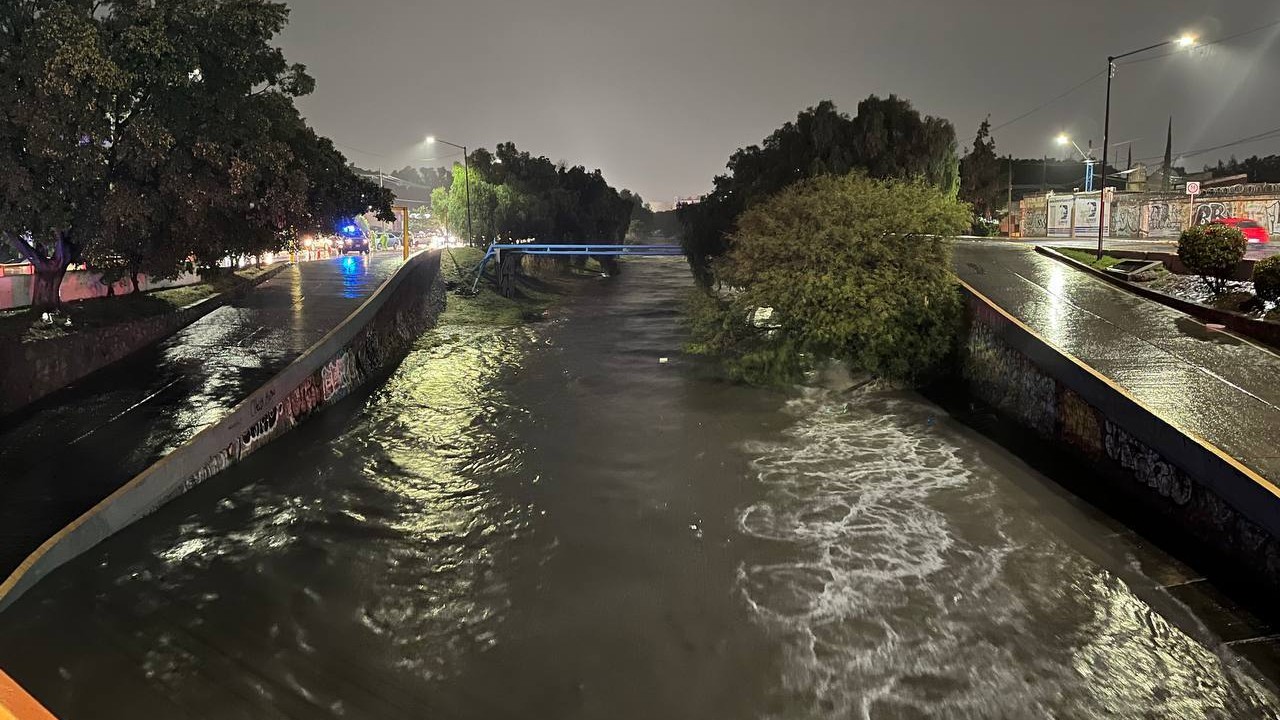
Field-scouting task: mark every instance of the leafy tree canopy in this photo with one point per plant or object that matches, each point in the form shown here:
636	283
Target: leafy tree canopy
981	174
516	195
887	138
852	268
136	133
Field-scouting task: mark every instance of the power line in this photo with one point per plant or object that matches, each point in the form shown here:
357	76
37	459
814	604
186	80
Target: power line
1099	74
1265	135
1203	44
1051	101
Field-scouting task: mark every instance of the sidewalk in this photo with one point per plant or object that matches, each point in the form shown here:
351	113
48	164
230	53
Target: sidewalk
73	448
1216	385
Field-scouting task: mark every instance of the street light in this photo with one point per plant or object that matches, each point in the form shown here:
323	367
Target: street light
1062	139
466	179
1185	41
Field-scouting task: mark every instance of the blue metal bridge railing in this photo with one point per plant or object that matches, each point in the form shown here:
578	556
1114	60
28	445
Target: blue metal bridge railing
495	251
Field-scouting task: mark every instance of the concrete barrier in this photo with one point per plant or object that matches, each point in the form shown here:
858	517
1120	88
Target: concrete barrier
372	337
1170	473
33	370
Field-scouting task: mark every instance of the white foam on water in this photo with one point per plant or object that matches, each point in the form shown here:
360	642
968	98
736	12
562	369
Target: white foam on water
912	592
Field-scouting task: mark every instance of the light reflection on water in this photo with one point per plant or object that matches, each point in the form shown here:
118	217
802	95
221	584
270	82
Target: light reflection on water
917	590
370	530
861	557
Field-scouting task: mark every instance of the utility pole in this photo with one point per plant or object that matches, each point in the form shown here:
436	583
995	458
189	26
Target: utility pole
1009	202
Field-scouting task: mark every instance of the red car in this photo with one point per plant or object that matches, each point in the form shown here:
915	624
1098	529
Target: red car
1253	232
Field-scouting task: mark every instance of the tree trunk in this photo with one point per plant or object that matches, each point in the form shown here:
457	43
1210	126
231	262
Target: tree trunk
133	278
49	271
45	293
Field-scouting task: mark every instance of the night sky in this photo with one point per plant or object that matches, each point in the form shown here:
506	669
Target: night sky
658	93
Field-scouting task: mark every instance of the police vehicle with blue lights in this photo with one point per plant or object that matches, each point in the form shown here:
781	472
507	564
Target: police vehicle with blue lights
351	239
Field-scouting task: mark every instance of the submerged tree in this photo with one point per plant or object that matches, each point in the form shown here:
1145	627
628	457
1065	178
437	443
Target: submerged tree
850	268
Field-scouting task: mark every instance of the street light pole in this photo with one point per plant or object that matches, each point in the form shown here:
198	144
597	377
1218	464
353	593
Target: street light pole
466	181
1106	144
1184	41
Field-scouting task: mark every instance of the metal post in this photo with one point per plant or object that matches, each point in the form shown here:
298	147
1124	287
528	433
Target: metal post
1106	141
404	216
466	179
1009	203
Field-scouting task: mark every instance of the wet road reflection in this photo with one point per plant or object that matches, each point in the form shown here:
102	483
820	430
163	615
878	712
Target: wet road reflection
551	523
77	446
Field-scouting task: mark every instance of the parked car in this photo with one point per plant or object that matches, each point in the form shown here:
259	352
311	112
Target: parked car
1252	229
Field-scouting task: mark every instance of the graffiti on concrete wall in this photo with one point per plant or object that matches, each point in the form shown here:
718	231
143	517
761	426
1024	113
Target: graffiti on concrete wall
1164	218
1059	216
1206	213
1127	219
1147	465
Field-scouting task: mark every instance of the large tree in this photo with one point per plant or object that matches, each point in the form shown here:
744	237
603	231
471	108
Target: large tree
849	268
163	129
980	173
887	139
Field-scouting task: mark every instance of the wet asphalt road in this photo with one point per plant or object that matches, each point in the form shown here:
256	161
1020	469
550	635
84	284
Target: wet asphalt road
78	445
1214	384
1164	245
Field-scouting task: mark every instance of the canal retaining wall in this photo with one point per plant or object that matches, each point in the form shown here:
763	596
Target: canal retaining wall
375	336
1171	475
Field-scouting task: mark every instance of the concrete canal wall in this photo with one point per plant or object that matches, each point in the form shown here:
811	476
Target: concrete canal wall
375	336
1191	486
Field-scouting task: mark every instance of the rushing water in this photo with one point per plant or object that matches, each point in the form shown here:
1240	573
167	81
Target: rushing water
552	523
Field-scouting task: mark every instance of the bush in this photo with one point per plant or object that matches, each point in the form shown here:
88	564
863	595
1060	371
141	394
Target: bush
1212	252
855	269
1266	278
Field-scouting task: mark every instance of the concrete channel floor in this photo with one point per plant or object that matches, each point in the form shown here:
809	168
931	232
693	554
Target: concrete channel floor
61	456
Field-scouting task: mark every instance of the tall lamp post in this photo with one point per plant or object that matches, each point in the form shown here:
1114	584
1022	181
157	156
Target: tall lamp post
466	180
1184	41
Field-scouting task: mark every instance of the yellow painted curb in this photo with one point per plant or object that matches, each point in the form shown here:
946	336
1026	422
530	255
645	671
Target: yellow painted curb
16	704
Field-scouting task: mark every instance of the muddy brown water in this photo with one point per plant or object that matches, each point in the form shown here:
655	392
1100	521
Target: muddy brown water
550	523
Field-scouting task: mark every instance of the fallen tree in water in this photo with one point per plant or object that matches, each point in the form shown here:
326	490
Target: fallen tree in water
846	268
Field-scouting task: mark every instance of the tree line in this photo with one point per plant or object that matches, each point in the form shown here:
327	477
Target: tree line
515	195
136	134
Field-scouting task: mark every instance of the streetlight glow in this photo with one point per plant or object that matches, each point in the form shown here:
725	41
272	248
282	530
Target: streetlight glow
431	139
1062	139
1187	40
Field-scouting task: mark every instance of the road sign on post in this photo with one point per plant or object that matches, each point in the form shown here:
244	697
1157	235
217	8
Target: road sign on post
1193	188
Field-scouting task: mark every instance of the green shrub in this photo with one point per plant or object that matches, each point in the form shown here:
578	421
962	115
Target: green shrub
1212	252
854	269
1266	278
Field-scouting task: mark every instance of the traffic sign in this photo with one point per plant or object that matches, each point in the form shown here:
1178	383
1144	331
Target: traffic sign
1193	188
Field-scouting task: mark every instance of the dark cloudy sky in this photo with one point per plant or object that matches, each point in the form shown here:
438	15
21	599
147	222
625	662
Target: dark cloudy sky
658	93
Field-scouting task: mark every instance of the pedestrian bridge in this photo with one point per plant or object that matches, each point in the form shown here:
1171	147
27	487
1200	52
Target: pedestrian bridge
496	250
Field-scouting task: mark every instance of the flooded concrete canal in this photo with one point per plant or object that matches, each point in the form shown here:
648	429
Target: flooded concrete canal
550	523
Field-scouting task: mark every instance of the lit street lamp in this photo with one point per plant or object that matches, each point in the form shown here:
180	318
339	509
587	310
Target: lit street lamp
1062	139
1184	41
466	179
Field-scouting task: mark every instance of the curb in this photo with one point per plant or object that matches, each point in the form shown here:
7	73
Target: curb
1261	330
